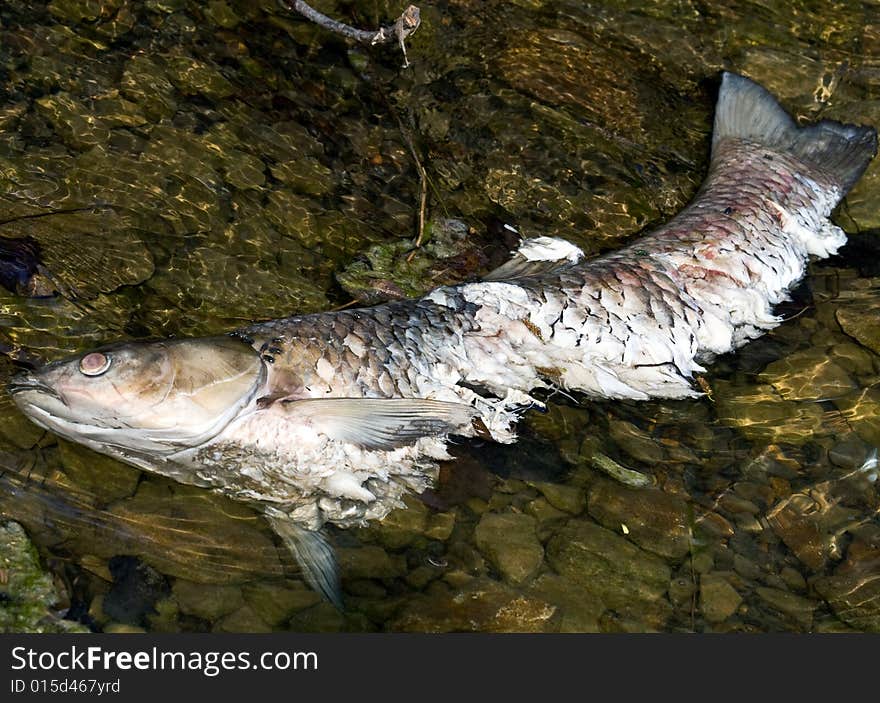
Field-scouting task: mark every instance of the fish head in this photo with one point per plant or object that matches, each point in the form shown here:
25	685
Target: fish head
143	398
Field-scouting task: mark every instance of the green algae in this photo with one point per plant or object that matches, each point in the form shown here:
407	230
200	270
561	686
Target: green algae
29	593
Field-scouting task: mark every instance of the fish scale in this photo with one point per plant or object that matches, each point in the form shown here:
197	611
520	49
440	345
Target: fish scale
336	416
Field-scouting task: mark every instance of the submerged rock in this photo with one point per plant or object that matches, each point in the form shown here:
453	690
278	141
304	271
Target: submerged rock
654	520
245	619
575	612
635	442
485	605
368	562
403	526
206	601
103	477
853	589
509	541
718	599
626	476
793	520
798	608
570	499
807	375
761	414
276	602
87	253
609	568
861	322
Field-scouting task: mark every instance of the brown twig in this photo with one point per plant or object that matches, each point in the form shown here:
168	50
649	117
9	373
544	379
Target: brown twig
403	27
423	185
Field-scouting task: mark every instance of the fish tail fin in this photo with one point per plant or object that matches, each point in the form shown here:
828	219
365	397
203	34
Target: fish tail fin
315	557
833	150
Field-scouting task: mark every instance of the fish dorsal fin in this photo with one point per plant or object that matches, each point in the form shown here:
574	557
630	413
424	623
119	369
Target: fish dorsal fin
382	423
536	256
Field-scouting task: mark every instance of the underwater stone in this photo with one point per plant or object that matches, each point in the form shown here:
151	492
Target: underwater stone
793	578
807	375
221	14
681	591
73	121
794	524
145	83
368	562
122	628
760	414
542	511
655	520
207	601
608	567
485	605
244	171
166	617
853	357
796	607
626	476
105	478
861	322
242	620
275	602
214	539
510	542
718	599
636	442
15	429
575	613
193	77
305	175
567	498
440	526
403	526
324	617
862	413
849	454
422	575
746	567
853	590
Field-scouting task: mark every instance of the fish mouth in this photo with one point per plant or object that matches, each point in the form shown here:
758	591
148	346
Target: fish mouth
23	382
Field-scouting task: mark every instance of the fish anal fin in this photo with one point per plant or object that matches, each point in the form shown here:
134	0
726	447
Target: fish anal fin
314	555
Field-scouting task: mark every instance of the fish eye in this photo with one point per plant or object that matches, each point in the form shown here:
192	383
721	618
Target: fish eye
94	364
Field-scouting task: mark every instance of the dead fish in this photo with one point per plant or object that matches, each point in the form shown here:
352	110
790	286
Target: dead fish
333	417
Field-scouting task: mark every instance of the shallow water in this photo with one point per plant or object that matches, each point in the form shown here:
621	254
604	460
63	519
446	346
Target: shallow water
185	166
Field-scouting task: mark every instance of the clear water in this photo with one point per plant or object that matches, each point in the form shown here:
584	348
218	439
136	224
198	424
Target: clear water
187	166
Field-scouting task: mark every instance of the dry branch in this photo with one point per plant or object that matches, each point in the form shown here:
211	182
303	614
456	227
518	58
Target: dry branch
402	28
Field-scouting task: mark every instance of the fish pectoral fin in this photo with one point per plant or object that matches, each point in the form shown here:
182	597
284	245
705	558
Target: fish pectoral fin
536	256
382	423
314	555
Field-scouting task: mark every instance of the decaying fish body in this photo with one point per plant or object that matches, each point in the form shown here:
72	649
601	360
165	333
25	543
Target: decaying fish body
333	417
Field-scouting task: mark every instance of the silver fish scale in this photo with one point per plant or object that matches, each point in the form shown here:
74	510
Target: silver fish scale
372	352
634	323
